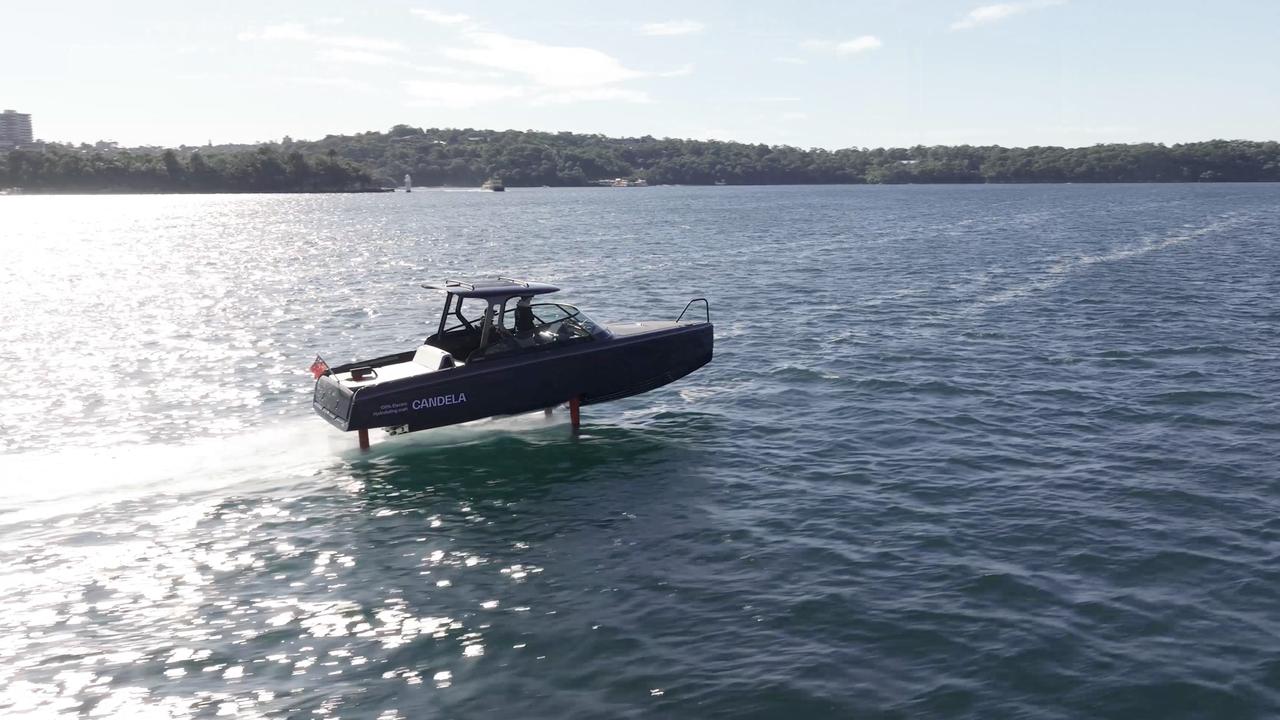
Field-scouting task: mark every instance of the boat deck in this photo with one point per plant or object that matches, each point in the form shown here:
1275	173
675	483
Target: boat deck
426	360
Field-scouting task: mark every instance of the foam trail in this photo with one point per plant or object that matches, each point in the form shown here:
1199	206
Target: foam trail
44	483
67	480
465	434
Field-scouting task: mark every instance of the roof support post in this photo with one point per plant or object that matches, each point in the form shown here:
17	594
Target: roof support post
487	327
448	300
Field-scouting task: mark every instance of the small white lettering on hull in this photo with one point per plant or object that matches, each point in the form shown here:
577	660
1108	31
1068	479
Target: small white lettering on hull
391	409
438	400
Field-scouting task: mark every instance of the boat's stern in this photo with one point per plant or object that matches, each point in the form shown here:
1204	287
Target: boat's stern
333	402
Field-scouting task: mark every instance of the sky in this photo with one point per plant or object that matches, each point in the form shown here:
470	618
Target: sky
859	73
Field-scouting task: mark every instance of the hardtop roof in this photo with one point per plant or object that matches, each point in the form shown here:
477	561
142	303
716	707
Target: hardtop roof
491	287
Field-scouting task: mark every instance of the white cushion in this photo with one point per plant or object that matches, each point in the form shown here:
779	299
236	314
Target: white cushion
430	357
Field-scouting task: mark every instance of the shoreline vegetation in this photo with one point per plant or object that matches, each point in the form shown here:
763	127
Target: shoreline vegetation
372	161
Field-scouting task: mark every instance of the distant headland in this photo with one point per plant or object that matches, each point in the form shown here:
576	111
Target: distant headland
464	157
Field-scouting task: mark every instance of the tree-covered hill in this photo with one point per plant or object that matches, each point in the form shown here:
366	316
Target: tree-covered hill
66	168
466	157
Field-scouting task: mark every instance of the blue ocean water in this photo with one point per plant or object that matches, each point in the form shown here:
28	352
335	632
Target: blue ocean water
963	452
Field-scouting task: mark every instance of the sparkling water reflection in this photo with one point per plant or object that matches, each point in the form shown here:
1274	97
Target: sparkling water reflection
963	452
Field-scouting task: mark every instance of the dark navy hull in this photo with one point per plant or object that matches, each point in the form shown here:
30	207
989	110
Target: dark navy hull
638	358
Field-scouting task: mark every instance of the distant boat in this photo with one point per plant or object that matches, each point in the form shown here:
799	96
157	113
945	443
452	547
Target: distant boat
493	185
720	182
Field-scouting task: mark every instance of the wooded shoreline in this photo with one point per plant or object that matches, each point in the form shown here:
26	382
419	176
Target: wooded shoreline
368	162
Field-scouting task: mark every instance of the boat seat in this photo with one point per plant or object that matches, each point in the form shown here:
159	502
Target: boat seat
426	359
433	358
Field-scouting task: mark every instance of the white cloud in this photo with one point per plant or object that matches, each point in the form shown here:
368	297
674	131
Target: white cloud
358	42
357	57
795	116
681	71
860	44
492	66
362	57
548	74
295	32
288	31
986	14
455	95
329	82
548	65
592	94
441	18
454	71
673	27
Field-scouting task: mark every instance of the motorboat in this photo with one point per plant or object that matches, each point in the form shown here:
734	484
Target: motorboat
493	184
503	347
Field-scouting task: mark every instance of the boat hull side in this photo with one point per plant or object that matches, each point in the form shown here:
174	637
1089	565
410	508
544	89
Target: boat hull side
615	369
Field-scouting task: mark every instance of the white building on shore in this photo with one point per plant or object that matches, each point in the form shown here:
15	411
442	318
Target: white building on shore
15	129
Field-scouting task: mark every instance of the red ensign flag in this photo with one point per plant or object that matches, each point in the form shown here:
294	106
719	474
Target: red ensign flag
319	367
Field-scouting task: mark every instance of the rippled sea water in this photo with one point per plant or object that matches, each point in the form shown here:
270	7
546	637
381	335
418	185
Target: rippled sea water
976	452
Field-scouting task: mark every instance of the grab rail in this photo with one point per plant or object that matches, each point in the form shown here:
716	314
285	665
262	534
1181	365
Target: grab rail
706	306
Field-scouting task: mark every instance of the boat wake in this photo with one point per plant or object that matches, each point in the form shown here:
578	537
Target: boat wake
1063	270
68	480
45	484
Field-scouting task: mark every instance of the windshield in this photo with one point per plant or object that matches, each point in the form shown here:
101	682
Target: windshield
549	318
541	326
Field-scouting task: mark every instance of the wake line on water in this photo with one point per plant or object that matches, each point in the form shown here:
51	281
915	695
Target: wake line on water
1060	272
70	480
44	484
